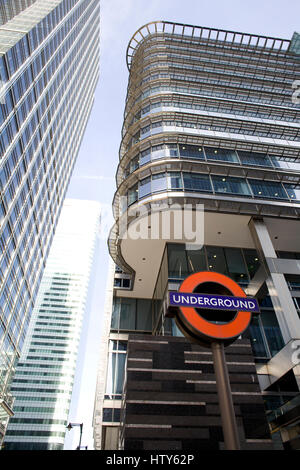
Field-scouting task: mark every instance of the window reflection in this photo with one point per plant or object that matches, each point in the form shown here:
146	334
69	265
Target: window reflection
220	154
115	375
293	191
145	187
174	180
159	182
224	184
252	261
270	189
253	158
191	151
130	314
257	338
272	331
177	261
196	182
221	184
232	262
216	259
197	152
236	265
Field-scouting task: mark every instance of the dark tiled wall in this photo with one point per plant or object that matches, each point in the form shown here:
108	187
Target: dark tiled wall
171	400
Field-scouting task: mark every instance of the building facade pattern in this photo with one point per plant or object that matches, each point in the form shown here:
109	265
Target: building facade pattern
210	119
44	377
171	402
49	57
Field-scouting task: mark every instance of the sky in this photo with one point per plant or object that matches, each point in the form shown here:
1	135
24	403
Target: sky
94	173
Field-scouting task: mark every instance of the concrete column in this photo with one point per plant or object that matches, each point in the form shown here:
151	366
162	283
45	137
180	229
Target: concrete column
283	304
279	292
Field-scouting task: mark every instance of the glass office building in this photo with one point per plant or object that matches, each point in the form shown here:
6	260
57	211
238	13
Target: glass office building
44	375
210	120
10	9
49	60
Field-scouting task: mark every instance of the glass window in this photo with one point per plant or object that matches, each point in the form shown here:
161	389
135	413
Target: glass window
236	265
144	315
145	187
216	259
196	182
293	191
175	330
267	189
297	302
256	336
115	375
156	154
228	185
196	260
272	331
252	261
191	151
115	317
227	155
253	158
171	150
293	281
145	156
117	282
133	195
177	261
145	130
134	164
174	180
127	314
159	182
288	255
279	163
107	414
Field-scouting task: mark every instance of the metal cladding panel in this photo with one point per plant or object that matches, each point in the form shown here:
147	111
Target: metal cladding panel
173	404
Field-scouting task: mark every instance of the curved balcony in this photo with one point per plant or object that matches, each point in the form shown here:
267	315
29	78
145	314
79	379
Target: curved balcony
180	30
213	153
225	223
206	123
204	135
172	102
214	89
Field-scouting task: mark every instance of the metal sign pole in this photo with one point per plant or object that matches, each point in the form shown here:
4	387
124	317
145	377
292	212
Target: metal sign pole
196	326
229	425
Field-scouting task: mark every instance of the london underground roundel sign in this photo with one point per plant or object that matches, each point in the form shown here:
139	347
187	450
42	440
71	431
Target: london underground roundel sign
196	325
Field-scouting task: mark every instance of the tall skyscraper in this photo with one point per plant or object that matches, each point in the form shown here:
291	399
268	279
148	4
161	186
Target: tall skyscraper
10	9
44	376
49	61
210	120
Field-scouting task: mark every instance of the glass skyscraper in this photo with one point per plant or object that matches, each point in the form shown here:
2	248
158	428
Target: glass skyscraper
49	61
9	9
210	119
45	372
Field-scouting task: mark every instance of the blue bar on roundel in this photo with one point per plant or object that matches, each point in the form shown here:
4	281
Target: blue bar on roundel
217	302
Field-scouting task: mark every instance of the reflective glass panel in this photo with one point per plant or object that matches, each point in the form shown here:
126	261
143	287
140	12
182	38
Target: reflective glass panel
159	182
220	154
196	182
228	185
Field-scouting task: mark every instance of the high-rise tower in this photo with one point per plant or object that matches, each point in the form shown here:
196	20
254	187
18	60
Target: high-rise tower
210	118
49	57
44	377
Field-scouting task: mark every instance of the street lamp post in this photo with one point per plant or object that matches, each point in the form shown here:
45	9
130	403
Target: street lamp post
70	426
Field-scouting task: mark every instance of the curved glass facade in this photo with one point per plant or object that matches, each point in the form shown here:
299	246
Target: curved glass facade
214	184
209	121
213	154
